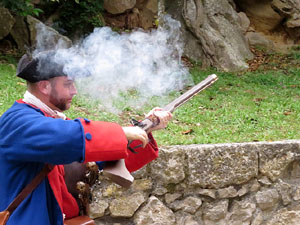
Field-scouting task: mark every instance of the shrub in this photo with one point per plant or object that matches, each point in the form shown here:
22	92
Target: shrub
80	16
21	7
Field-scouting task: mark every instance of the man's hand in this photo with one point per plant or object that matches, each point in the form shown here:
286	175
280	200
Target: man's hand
136	133
163	117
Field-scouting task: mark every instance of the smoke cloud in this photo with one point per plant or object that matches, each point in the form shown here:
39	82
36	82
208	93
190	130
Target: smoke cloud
108	65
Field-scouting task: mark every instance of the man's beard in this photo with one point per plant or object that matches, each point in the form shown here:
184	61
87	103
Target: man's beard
58	103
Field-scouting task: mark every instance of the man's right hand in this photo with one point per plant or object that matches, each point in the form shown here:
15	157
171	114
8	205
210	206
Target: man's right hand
136	133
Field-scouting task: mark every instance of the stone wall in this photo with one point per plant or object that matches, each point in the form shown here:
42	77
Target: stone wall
247	183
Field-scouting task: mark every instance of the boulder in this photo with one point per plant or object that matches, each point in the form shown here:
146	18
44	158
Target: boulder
245	22
118	6
44	37
290	11
216	30
146	19
7	22
257	39
20	34
261	14
152	5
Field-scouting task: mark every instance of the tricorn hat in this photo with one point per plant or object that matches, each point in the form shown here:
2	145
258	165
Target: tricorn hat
41	67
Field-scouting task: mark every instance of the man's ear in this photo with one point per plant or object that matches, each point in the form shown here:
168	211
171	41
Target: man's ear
44	87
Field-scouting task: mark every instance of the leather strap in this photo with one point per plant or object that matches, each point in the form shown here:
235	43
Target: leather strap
4	217
29	188
80	220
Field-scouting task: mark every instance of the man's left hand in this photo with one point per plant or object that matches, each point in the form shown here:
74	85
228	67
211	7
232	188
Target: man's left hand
163	117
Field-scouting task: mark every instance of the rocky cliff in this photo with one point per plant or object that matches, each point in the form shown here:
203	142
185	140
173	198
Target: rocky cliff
215	33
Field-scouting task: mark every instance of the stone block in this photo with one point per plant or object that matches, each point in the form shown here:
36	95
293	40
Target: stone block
169	167
154	212
126	206
276	156
222	165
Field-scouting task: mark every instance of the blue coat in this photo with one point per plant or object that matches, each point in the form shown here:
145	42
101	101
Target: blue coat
29	139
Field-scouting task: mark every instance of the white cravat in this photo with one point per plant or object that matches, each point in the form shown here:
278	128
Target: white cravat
31	99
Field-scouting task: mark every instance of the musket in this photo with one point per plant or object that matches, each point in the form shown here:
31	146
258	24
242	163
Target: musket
116	170
148	123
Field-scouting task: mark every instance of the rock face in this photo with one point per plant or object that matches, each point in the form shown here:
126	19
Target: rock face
7	21
20	33
216	29
237	184
215	33
44	37
276	20
131	14
24	30
117	6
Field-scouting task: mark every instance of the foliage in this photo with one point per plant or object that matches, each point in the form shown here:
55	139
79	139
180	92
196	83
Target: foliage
21	7
80	16
74	16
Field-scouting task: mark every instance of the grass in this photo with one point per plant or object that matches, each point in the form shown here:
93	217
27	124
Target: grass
240	108
261	105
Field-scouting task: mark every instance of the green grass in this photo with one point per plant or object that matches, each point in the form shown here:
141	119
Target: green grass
259	106
11	87
240	107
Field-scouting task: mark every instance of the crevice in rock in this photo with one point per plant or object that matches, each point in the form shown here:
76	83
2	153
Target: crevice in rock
29	33
258	164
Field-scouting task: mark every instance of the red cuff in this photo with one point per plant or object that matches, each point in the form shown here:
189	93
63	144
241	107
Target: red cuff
143	156
104	141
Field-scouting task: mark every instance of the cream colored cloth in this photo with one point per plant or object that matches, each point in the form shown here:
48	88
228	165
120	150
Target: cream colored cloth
31	99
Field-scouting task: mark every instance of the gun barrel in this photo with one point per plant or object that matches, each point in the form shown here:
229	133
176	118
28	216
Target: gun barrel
191	93
146	124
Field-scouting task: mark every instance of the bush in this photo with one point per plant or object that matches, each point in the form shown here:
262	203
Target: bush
21	7
75	17
79	17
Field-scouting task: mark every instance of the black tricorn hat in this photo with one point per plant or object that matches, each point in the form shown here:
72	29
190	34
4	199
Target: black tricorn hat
41	67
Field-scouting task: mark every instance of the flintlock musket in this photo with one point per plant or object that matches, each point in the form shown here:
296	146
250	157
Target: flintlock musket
116	170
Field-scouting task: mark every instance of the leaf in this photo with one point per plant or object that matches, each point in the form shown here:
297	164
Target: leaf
258	99
187	131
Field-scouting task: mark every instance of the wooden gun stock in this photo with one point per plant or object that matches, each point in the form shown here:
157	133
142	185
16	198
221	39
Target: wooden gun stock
146	124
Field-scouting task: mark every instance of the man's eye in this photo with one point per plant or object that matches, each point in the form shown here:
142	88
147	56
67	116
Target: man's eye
68	84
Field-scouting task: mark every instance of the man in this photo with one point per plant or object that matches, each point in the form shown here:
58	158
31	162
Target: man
34	131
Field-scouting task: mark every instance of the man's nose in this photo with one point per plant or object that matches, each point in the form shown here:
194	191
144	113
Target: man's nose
73	90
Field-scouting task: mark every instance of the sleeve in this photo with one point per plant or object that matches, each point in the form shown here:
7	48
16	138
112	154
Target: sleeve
30	136
135	161
104	141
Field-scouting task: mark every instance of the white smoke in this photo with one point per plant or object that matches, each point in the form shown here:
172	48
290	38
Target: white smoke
107	65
